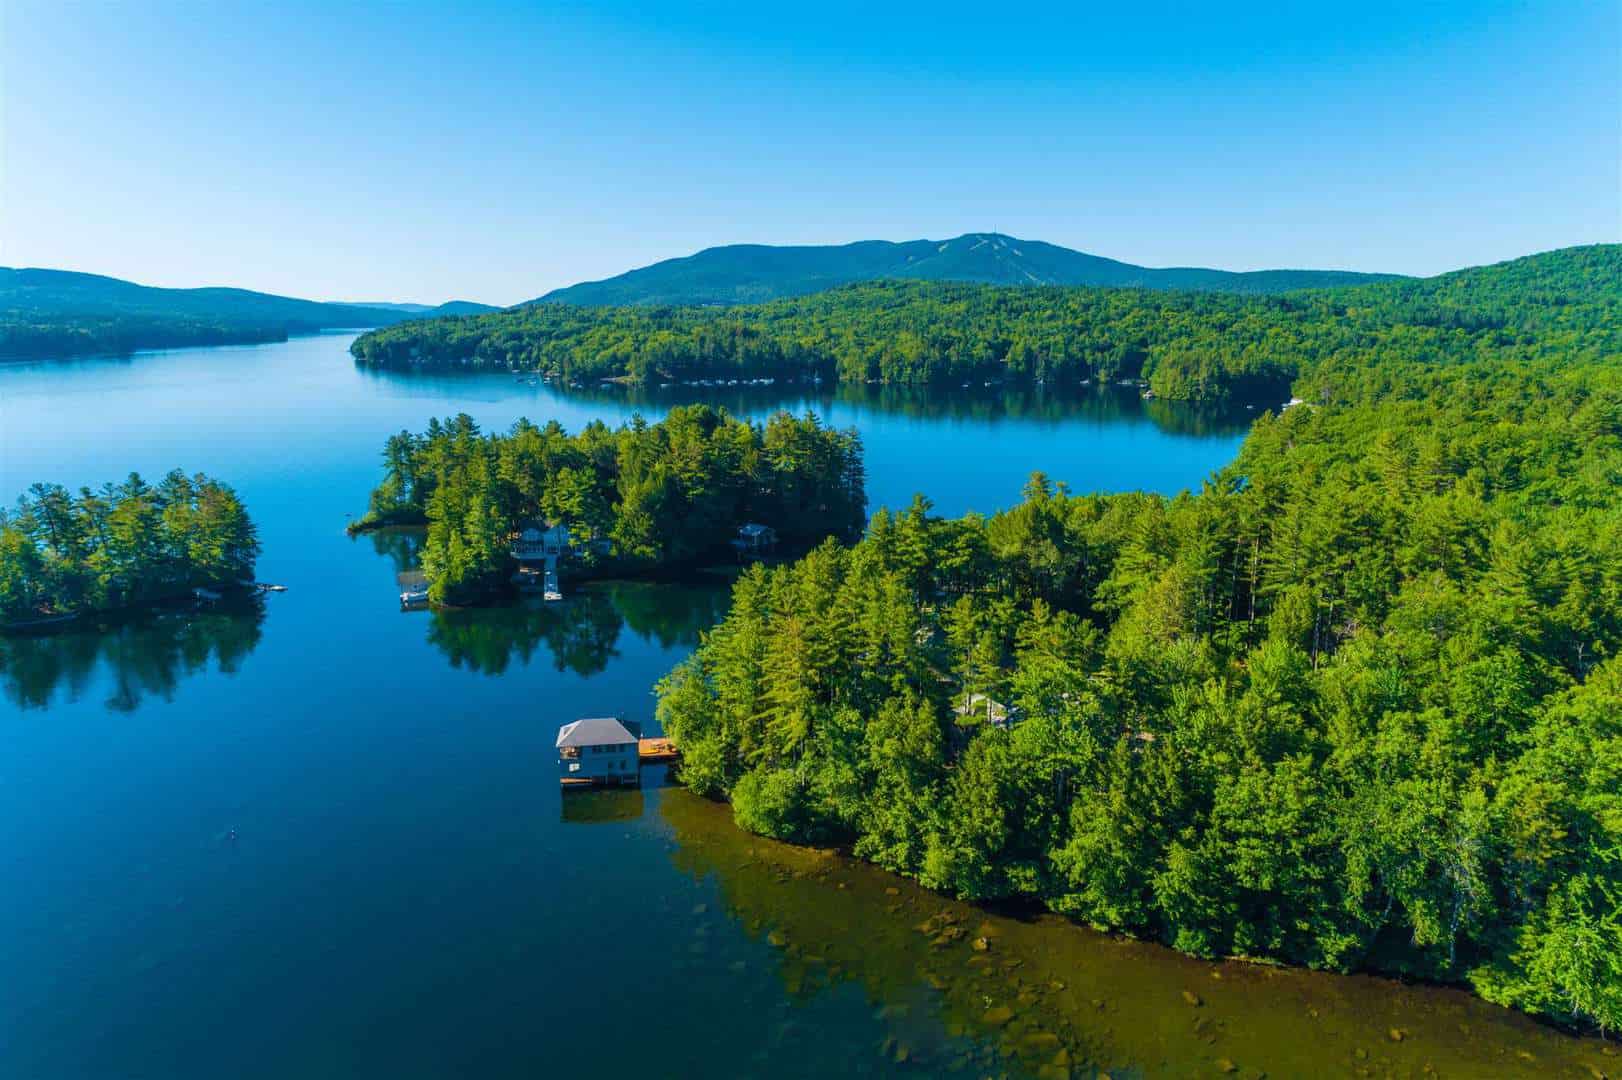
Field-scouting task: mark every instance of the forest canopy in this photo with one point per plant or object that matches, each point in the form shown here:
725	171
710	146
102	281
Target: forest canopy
640	497
1356	704
122	547
1562	305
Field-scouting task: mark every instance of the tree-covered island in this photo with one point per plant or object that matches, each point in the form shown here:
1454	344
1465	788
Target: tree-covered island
639	498
122	548
1186	345
1356	704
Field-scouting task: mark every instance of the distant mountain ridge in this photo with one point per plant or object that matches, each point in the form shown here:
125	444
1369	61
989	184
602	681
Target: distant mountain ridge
449	307
751	273
56	292
65	312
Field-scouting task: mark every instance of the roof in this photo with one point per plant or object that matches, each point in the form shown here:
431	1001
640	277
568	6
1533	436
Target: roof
601	731
754	530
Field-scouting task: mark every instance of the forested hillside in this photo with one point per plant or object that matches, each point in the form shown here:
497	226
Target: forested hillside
1195	346
53	313
753	273
654	495
1355	704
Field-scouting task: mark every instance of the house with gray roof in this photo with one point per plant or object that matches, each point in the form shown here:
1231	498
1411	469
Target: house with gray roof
600	750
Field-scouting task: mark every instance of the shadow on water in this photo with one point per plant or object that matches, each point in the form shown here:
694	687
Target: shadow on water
140	658
581	633
603	807
963	989
401	546
1050	404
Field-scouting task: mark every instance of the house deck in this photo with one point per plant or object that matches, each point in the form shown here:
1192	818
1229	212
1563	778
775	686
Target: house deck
656	751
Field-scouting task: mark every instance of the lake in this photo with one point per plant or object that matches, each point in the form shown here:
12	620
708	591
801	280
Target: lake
318	837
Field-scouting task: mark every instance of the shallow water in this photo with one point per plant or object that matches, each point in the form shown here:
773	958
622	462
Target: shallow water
318	837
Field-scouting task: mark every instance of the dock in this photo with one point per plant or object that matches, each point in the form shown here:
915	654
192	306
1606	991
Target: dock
656	751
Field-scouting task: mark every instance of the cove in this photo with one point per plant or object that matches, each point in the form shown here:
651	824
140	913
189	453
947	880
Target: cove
322	838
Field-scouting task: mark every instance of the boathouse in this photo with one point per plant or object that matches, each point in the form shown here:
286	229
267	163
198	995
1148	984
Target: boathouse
601	750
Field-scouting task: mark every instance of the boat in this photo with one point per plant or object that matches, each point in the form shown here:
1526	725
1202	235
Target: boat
413	597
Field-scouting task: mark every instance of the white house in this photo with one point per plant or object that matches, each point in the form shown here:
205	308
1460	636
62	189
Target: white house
598	751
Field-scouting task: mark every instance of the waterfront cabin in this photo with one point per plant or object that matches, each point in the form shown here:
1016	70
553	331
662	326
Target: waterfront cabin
537	541
755	539
601	750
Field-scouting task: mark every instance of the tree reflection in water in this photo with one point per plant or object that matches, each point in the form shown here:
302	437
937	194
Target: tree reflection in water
580	633
142	658
1031	404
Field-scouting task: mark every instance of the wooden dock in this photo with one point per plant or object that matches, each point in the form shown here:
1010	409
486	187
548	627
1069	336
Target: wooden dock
657	751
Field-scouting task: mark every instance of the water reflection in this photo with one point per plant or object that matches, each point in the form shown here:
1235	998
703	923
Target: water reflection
1106	404
402	547
603	806
961	988
138	659
581	634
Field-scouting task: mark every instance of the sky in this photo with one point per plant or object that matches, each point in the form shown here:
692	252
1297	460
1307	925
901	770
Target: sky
424	152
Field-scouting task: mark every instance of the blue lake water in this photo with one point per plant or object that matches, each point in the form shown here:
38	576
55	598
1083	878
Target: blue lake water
324	838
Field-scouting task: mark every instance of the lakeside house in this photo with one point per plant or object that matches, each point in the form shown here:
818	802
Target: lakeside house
599	750
537	541
755	539
537	548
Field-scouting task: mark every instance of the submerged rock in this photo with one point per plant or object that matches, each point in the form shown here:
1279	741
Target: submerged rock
998	1015
1192	998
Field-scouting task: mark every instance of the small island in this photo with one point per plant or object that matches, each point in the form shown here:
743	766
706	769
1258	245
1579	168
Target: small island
699	486
124	548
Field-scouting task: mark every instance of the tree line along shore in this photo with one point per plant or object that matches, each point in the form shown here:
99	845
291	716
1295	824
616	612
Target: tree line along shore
643	497
1561	307
1356	703
125	547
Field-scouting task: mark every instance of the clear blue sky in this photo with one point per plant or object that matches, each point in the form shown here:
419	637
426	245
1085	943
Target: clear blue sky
405	152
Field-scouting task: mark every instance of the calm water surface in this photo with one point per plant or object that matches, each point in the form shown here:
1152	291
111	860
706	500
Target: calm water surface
319	838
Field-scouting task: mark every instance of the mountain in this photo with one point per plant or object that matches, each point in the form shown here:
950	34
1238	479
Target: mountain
1558	306
750	273
461	307
63	312
430	311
